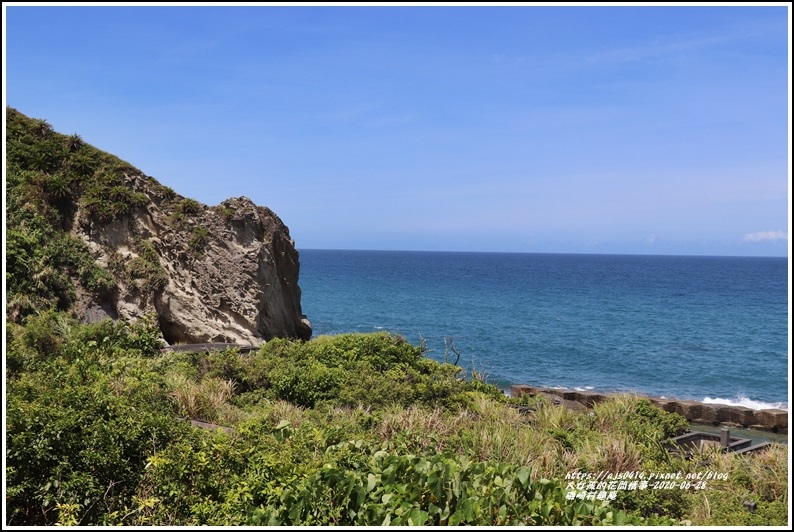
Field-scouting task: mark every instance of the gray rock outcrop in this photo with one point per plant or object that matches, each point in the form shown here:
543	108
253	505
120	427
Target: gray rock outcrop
211	274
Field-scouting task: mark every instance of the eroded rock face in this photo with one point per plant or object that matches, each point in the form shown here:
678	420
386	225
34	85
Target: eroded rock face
211	274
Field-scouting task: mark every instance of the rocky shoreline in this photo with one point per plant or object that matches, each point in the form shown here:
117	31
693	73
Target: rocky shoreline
770	420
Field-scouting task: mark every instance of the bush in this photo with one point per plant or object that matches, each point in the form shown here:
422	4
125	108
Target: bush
145	268
199	239
349	430
378	486
79	443
184	208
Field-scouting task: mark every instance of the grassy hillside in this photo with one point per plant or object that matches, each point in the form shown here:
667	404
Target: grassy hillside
347	430
352	429
54	181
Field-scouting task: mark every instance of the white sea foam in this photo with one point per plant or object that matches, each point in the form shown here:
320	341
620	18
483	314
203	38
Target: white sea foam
745	402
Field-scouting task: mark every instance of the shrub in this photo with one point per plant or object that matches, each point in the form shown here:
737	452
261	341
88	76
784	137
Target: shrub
202	400
107	197
187	206
349	430
146	268
183	208
226	212
306	384
362	485
73	142
78	443
199	240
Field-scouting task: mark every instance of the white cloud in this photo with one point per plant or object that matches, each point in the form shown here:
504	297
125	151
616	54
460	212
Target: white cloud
765	235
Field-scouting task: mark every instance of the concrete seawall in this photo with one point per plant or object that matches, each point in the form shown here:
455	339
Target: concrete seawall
771	420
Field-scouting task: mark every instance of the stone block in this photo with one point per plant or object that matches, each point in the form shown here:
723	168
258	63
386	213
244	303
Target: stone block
684	407
773	418
737	415
701	413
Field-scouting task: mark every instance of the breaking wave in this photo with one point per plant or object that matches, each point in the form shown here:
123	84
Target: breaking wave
745	402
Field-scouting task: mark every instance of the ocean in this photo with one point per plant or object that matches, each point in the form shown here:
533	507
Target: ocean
713	329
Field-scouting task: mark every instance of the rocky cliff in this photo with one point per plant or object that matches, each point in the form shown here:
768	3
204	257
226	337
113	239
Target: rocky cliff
227	273
231	271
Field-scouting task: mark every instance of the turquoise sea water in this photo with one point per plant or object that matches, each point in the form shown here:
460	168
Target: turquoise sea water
705	328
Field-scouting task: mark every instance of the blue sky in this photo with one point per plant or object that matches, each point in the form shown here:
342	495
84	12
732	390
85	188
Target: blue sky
651	130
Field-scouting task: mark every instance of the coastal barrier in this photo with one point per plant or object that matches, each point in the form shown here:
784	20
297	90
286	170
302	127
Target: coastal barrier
770	420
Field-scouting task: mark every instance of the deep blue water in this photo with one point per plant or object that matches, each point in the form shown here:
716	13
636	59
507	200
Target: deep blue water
684	327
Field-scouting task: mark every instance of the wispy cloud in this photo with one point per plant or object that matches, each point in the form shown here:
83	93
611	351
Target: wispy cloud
762	236
685	44
653	50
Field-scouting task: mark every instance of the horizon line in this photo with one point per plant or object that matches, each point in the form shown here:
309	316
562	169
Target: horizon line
299	249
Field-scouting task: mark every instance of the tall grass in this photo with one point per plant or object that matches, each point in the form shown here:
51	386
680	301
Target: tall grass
428	426
753	489
205	400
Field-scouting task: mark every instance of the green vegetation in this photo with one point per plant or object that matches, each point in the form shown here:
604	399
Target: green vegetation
199	239
48	176
55	182
344	430
145	270
226	211
41	263
183	209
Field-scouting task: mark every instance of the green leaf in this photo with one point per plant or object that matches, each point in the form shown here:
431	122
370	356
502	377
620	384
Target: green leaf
456	485
295	512
417	517
469	508
523	475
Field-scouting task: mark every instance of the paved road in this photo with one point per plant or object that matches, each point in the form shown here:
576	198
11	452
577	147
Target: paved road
200	348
